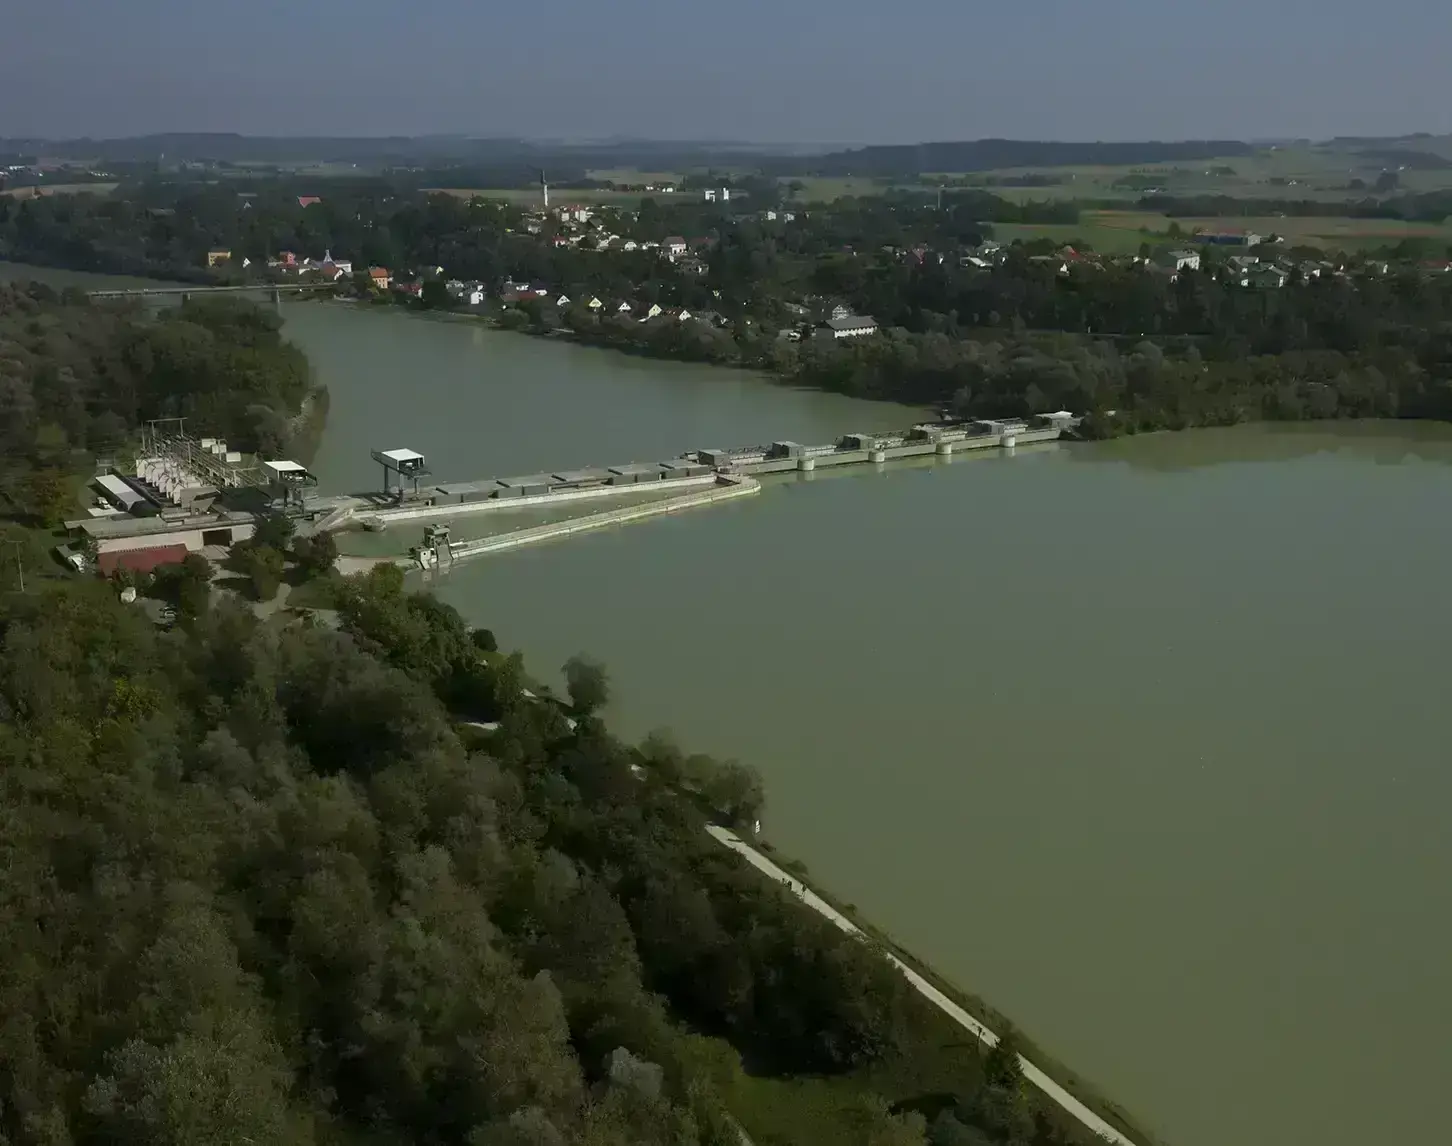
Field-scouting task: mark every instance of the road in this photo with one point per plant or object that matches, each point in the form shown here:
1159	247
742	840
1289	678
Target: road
1051	1088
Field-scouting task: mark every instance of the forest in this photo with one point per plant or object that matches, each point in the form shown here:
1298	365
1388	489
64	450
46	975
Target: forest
77	381
264	886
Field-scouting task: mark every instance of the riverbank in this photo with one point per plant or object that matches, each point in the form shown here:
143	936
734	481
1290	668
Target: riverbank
1077	1099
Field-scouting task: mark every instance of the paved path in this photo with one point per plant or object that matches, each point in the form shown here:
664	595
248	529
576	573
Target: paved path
1051	1088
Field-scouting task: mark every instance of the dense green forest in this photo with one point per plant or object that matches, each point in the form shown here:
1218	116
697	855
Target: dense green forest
77	381
260	889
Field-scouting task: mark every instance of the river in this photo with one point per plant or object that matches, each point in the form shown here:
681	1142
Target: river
1141	741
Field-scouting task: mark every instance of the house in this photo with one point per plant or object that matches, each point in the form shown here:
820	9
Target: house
655	311
218	256
841	312
1269	277
620	306
710	194
693	266
379	277
1180	260
308	200
630	245
1055	262
847	326
593	303
769	216
674	247
710	318
563	301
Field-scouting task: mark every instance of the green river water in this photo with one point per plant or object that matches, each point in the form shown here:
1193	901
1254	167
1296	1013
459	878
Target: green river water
1141	741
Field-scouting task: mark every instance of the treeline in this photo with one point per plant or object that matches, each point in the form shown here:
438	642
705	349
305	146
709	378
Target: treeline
1137	388
258	889
77	380
995	154
1428	207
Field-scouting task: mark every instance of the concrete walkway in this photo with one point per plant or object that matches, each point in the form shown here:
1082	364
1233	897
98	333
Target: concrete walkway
1051	1088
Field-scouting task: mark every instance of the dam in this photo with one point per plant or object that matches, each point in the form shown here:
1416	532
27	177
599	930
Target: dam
197	495
695	479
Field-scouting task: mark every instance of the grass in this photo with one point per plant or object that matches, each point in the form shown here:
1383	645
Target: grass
60	189
527	195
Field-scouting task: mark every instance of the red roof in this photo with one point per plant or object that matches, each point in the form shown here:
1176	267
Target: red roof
140	560
308	200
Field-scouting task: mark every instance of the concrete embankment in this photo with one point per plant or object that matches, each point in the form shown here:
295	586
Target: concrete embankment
723	489
458	509
957	1013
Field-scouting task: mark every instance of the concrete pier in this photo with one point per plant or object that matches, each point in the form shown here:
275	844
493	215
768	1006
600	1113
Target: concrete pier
723	489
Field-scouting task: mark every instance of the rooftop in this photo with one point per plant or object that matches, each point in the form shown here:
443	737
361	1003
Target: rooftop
528	480
108	528
851	322
282	467
402	455
579	477
650	468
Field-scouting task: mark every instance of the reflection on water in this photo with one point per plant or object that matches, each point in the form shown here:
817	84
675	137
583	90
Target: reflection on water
1381	442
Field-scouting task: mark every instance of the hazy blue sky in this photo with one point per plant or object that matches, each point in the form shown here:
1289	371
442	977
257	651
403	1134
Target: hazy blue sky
770	70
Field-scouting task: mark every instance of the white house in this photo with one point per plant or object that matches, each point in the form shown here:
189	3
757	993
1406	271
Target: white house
850	326
1181	260
674	247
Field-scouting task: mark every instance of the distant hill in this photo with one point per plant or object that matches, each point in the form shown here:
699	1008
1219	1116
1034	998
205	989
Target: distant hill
992	154
399	151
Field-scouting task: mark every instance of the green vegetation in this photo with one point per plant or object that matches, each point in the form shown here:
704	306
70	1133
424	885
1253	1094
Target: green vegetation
281	901
259	889
78	381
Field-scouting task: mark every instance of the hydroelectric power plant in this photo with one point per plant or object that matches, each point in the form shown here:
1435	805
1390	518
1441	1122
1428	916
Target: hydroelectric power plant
194	495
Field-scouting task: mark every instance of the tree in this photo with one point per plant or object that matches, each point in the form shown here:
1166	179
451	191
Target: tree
1386	182
434	295
484	640
274	531
315	555
51	495
587	684
263	567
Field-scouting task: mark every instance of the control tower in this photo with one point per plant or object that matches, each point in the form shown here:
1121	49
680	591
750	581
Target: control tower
407	465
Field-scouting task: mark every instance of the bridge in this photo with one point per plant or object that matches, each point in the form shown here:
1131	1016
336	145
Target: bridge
276	290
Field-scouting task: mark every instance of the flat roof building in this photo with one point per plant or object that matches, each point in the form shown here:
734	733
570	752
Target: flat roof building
583	477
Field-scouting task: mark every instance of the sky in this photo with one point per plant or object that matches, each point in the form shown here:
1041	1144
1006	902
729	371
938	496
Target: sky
772	71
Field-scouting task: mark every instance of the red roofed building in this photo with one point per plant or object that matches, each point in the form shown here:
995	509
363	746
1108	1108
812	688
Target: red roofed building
308	200
140	560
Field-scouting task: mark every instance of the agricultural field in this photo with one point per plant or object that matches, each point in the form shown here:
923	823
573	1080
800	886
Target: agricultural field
60	189
1122	232
527	195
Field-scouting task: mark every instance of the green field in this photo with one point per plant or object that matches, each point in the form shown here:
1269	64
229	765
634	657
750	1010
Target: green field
531	195
1122	232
